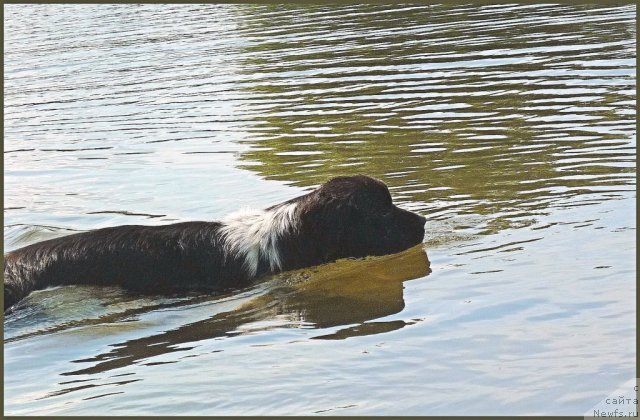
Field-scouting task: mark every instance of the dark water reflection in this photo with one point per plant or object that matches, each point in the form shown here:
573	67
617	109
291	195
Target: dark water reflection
348	292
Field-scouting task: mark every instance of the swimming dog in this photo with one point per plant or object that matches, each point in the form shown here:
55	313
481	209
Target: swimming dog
346	217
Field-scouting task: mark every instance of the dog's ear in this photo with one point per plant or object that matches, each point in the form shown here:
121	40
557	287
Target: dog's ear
376	200
360	191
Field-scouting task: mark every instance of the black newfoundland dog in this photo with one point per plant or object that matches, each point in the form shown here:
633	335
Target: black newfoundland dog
345	217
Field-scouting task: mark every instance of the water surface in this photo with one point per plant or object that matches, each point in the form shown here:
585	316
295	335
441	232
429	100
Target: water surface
511	128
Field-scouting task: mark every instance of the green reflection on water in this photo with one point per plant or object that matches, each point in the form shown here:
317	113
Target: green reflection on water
504	114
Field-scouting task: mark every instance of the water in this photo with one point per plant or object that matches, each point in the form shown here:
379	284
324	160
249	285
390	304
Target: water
512	128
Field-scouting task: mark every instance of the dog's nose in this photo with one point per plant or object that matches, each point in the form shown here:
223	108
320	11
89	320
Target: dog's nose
423	224
420	222
419	219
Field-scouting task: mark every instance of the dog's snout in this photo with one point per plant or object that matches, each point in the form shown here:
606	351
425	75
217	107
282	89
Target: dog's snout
411	217
413	225
422	221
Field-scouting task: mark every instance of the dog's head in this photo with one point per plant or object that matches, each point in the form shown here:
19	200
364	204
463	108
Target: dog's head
353	216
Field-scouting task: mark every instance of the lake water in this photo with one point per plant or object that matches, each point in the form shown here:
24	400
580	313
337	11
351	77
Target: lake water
511	128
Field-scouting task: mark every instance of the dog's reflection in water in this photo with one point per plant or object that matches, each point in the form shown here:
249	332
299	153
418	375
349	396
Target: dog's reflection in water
343	293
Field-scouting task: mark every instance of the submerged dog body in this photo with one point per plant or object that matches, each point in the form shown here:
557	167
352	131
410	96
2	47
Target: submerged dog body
345	217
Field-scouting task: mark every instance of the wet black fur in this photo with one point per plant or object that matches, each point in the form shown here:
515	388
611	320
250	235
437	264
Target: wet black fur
345	217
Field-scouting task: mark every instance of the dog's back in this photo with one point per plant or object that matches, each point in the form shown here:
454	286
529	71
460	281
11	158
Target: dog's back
157	259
